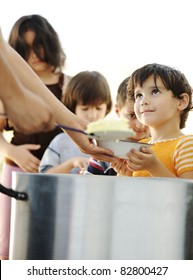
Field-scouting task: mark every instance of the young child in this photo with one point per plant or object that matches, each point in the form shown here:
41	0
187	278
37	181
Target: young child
124	108
88	96
163	99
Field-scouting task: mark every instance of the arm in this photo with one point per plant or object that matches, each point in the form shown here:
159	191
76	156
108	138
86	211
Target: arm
147	160
67	166
143	160
22	104
21	154
18	100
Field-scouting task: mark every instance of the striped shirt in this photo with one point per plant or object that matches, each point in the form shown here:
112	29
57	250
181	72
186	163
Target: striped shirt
176	154
97	167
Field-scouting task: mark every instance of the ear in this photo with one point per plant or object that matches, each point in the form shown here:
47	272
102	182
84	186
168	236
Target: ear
183	102
117	110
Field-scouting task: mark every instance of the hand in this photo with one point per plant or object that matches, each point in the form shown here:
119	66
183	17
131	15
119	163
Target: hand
22	156
141	160
87	146
29	113
80	162
120	166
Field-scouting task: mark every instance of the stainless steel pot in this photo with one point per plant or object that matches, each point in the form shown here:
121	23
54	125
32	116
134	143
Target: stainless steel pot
101	217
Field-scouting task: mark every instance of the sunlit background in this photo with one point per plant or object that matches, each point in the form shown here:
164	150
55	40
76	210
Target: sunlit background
115	37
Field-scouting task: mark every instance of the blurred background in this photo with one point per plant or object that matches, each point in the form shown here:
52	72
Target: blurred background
115	37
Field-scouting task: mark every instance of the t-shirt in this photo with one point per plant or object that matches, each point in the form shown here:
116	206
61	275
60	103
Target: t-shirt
176	154
60	149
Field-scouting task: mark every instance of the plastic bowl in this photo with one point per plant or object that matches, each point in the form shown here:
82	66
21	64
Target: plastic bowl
121	147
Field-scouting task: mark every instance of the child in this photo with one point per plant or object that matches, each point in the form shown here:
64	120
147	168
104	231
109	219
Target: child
88	96
163	99
124	108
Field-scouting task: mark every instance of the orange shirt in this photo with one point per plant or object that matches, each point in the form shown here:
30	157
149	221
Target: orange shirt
176	154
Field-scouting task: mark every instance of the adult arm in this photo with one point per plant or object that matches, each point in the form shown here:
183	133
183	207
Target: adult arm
23	110
27	110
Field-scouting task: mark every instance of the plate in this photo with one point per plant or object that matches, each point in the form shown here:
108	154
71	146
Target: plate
121	148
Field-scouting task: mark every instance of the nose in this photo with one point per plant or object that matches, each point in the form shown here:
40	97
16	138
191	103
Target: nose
93	115
32	53
145	100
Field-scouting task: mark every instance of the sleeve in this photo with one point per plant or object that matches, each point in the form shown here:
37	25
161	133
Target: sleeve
183	155
95	167
51	156
98	167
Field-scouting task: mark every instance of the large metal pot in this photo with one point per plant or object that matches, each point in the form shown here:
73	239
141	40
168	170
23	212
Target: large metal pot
101	217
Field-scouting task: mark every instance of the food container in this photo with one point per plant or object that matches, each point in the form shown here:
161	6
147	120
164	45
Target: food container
121	147
101	217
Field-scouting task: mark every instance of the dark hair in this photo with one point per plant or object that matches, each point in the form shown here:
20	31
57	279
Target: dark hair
172	79
46	38
121	96
88	88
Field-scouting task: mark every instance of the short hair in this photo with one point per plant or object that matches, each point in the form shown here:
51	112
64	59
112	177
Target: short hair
172	79
46	38
88	88
122	96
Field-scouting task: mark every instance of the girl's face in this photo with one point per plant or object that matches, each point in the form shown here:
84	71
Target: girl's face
91	113
155	105
36	64
127	111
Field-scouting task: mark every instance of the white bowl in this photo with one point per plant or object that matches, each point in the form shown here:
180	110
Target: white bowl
121	147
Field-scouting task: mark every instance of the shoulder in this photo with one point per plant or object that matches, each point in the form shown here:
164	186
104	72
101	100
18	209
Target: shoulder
58	138
66	80
59	141
185	141
184	145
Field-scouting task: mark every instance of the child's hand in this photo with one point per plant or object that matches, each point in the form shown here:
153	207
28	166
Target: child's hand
141	160
121	167
137	160
80	162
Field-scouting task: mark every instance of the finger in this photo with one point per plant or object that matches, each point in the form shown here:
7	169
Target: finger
33	146
134	166
145	150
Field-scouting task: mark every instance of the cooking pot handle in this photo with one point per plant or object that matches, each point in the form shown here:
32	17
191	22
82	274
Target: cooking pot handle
14	194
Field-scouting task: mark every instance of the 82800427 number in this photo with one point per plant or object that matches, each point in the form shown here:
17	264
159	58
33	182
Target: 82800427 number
144	270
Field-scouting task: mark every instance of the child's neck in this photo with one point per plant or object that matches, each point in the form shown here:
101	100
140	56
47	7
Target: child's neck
165	135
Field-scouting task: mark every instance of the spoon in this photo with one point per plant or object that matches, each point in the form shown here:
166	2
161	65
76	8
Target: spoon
90	135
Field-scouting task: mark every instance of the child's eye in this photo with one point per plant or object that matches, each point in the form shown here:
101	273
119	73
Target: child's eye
99	108
84	108
132	116
138	96
155	91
